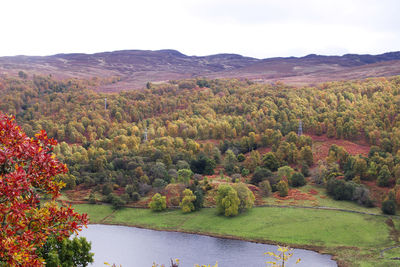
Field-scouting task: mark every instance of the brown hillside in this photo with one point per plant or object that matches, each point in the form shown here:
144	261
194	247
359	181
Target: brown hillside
137	67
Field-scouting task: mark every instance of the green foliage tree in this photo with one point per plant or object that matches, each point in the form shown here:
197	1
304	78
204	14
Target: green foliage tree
306	155
340	189
230	161
130	189
198	202
291	137
67	252
158	202
270	161
159	171
187	203
384	176
260	175
227	200
245	195
253	161
285	172
297	179
184	176
203	165
360	167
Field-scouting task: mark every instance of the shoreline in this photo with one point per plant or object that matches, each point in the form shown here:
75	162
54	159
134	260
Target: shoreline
323	238
317	249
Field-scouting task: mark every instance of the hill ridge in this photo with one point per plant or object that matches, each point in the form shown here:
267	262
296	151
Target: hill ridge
137	67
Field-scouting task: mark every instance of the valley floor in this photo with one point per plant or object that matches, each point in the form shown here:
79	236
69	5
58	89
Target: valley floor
354	239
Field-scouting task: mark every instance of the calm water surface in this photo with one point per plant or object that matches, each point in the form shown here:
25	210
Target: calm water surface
135	247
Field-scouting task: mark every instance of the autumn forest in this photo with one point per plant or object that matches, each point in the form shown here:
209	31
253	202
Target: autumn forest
194	143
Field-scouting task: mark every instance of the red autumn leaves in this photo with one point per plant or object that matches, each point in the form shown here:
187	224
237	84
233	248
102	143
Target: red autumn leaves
27	173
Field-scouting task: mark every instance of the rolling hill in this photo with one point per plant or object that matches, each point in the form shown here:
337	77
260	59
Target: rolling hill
137	67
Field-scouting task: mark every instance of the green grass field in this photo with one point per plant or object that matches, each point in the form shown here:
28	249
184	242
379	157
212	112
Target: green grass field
354	239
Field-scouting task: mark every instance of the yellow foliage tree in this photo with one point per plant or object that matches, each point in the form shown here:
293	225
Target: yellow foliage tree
285	253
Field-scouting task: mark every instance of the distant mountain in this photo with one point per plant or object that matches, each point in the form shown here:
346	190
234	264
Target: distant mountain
137	67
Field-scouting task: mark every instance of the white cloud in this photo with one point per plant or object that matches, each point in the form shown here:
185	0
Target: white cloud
253	27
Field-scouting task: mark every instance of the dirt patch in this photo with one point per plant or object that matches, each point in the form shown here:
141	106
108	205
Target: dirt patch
394	233
211	141
313	192
378	193
79	193
262	151
321	145
295	194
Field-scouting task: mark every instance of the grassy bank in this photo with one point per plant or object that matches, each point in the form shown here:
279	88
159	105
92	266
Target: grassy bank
354	239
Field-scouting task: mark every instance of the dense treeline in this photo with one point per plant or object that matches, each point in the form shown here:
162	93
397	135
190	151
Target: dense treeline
194	125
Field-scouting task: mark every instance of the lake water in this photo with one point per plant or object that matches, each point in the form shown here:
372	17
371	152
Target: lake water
135	247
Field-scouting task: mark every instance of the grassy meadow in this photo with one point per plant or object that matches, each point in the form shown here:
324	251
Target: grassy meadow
354	239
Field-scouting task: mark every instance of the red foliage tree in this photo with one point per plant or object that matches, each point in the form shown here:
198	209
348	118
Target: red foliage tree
27	172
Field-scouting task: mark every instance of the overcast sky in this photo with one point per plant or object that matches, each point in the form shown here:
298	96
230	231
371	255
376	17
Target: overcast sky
257	28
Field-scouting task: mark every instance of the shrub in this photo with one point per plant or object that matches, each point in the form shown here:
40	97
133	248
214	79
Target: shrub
227	200
265	188
245	172
144	189
182	164
342	190
135	196
158	203
346	192
197	177
184	176
236	177
173	174
297	179
305	170
241	157
389	207
107	189
130	189
159	184
362	196
117	202
92	199
336	188
283	188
